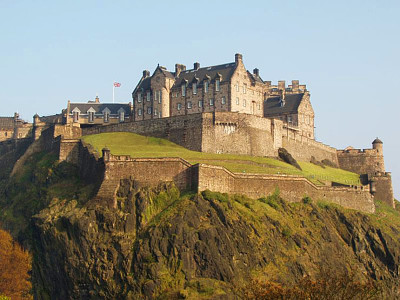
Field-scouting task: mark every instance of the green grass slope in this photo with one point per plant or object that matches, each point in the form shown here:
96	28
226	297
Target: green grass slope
125	143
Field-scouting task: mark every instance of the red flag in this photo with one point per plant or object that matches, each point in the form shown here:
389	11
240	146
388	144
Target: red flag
117	84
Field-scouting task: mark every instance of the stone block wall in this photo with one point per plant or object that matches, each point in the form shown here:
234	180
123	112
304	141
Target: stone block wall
381	187
292	188
367	161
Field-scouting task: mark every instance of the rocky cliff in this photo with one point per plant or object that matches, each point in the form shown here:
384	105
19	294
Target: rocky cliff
159	243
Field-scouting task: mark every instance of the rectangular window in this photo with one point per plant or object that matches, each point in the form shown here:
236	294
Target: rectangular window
139	112
217	85
183	90
237	86
189	104
194	86
106	117
244	88
148	96
259	106
149	110
139	97
121	116
200	103
159	97
91	116
155	112
76	116
205	86
179	106
237	101
159	114
244	103
223	100
211	102
289	119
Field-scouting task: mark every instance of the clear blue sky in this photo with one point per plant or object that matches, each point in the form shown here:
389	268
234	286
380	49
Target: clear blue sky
347	52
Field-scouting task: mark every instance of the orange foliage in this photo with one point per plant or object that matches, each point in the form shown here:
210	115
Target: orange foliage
15	265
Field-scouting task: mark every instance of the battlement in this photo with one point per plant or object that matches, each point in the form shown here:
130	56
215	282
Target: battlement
358	151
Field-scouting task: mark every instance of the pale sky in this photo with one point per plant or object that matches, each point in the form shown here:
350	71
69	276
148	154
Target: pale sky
347	52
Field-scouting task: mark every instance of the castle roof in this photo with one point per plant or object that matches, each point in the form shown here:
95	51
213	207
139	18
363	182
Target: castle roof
377	141
273	106
225	71
6	122
100	107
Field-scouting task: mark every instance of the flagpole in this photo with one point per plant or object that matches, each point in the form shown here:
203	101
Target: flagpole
113	91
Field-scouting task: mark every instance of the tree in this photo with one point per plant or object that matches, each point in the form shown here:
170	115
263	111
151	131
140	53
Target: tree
15	265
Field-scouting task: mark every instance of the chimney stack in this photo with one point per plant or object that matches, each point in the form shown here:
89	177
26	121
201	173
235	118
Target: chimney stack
281	84
96	100
196	66
179	68
238	58
295	85
256	72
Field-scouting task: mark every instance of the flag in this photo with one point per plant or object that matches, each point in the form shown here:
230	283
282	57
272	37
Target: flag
117	84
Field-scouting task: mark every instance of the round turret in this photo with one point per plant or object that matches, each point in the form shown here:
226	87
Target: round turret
378	145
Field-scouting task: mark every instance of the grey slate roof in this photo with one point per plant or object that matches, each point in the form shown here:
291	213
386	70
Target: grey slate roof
225	70
6	122
273	107
99	107
255	77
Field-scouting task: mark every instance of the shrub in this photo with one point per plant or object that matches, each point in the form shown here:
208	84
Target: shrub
273	200
287	232
207	194
306	200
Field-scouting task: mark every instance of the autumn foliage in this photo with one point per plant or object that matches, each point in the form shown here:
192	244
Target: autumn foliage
15	265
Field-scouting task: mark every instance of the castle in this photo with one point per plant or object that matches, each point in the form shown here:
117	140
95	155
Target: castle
217	109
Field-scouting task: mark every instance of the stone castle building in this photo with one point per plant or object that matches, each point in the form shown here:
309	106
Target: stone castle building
14	128
223	88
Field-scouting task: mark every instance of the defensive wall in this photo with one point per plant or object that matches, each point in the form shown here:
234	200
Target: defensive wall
201	177
361	161
225	132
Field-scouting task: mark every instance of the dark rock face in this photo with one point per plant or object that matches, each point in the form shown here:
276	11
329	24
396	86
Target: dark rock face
288	158
157	242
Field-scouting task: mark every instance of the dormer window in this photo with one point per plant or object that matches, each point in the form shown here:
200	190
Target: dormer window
194	86
183	90
106	115
91	116
121	114
205	86
76	112
217	85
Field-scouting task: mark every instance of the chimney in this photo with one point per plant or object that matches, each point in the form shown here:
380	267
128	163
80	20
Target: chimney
179	68
196	66
16	116
146	73
96	100
238	58
256	72
295	85
281	84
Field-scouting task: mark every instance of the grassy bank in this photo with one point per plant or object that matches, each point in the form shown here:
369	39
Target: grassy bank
125	143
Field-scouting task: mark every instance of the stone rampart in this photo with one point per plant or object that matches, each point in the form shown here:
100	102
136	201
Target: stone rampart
366	161
201	177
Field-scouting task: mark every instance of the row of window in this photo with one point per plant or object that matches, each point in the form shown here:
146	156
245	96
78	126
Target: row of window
149	111
206	87
200	104
157	96
106	116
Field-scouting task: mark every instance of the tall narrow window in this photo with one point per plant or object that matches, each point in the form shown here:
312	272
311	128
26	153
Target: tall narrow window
76	116
183	90
200	103
148	96
244	88
217	85
194	86
149	110
205	86
237	86
189	104
237	101
121	116
179	106
159	97
244	102
211	102
223	100
106	117
139	97
91	116
139	112
155	112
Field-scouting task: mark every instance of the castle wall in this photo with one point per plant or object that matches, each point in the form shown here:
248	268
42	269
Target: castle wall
292	188
367	161
302	148
381	185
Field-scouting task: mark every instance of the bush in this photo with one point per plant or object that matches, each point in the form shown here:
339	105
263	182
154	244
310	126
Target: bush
307	200
207	194
273	200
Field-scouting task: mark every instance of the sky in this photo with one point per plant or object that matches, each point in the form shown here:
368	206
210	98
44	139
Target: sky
346	52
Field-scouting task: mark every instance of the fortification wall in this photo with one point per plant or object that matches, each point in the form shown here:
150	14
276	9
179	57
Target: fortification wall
367	161
381	186
182	130
292	188
303	148
235	133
